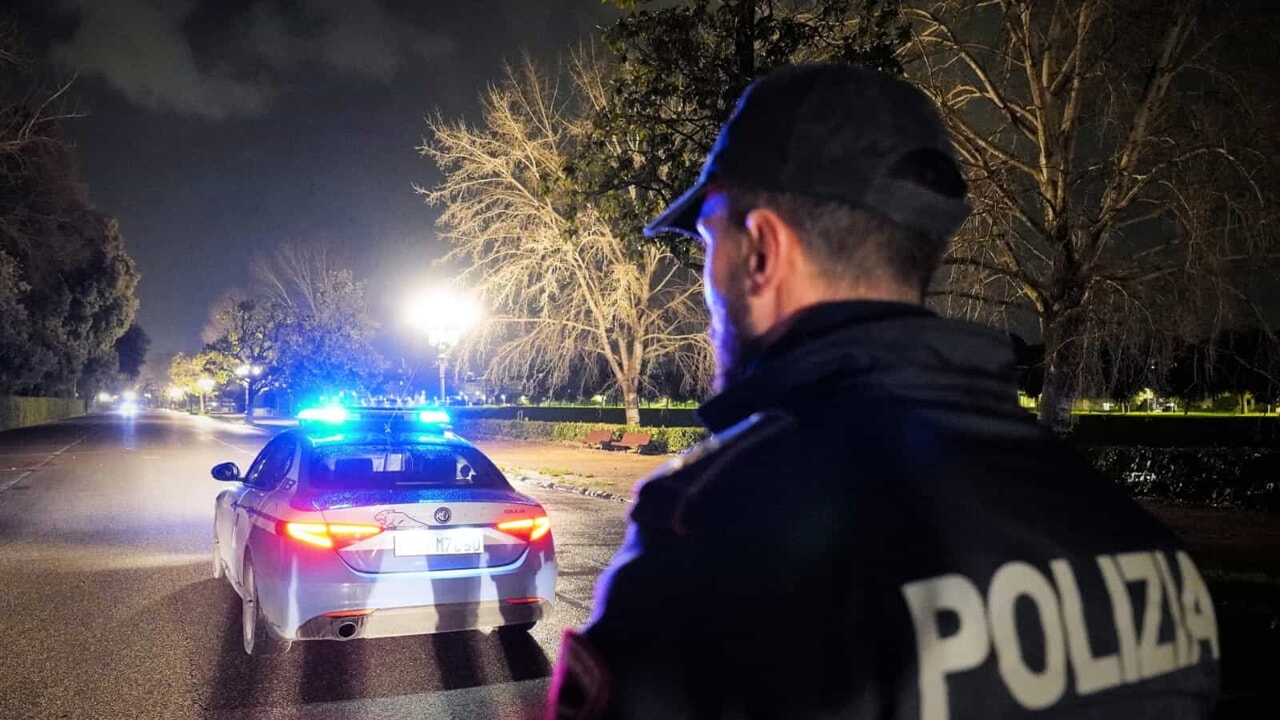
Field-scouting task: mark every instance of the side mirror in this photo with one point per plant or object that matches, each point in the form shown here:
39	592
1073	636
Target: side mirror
227	472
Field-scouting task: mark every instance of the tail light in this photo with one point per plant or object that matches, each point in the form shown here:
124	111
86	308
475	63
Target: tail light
527	529
327	535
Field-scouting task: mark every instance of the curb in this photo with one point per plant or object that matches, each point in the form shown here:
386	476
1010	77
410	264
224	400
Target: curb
542	482
240	423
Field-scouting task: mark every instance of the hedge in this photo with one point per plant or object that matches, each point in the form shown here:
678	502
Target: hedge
1175	431
610	416
1246	477
665	439
18	412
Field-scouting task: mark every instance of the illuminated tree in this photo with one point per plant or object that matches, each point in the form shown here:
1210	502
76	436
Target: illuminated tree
248	331
185	372
563	292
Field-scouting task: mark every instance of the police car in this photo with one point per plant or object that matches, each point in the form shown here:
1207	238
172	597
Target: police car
368	522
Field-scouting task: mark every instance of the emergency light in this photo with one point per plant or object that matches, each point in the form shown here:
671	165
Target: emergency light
338	415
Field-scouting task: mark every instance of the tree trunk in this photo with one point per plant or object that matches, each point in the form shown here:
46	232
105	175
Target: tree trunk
1062	339
631	401
255	389
744	41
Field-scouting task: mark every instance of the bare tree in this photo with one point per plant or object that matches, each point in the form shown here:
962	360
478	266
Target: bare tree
1112	204
316	310
566	294
29	114
295	273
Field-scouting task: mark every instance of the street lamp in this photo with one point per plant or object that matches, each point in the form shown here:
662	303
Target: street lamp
443	317
205	384
246	373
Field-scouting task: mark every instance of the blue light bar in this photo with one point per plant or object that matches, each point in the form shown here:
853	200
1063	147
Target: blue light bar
438	417
324	414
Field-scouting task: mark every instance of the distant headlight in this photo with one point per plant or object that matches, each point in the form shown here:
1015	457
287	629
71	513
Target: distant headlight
128	408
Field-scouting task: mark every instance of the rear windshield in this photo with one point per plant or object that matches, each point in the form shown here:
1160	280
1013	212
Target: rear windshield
383	466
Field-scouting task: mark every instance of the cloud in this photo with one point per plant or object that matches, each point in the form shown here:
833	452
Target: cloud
142	48
356	38
138	48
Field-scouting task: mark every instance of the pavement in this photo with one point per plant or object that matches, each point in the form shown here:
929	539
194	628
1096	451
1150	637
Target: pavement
110	610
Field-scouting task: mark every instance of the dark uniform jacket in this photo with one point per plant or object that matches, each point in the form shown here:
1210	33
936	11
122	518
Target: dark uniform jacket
878	530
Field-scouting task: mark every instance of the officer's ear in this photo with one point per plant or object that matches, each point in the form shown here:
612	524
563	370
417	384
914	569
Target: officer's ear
771	248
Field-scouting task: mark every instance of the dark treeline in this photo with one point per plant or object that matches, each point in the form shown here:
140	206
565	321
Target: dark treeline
67	286
1236	370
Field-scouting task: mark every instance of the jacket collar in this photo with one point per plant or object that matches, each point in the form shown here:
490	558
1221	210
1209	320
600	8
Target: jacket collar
883	348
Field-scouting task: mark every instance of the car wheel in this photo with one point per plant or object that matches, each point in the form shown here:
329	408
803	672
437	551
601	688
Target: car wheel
258	638
218	572
517	628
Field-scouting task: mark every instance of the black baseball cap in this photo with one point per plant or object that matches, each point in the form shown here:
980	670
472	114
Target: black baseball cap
835	132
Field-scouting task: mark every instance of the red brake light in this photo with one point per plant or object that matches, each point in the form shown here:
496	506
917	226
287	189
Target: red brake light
335	535
529	529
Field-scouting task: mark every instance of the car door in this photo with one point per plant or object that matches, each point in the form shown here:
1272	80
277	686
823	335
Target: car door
264	476
224	518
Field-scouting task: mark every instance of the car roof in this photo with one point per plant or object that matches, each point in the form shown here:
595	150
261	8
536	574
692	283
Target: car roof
364	434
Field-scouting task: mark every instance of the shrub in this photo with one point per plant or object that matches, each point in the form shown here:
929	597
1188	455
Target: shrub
673	440
665	440
1174	430
22	411
1246	477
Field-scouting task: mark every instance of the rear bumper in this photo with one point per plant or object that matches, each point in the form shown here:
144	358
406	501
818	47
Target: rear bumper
424	620
301	589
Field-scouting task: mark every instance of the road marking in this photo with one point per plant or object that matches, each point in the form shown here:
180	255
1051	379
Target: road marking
233	447
44	462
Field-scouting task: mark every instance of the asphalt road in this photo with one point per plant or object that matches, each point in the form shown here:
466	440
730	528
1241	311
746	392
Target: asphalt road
108	608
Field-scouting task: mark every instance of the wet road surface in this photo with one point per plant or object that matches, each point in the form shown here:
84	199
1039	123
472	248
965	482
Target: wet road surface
110	610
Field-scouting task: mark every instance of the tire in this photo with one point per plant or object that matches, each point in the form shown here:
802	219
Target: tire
517	628
257	635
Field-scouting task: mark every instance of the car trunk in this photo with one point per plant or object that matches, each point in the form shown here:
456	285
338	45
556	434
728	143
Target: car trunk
438	529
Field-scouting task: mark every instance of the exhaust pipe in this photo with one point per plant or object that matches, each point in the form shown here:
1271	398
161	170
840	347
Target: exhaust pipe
347	630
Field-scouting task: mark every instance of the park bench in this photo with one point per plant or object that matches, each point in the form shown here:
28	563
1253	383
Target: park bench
598	439
633	441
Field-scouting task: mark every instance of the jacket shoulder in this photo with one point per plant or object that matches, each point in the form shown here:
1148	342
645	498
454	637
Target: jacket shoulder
662	496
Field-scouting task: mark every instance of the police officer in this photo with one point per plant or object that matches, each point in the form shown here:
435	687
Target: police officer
875	529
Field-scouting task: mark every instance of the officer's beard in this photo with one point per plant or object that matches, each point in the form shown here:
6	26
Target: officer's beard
735	343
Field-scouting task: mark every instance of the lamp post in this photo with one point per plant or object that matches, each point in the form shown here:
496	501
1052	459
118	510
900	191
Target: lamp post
247	373
443	317
206	384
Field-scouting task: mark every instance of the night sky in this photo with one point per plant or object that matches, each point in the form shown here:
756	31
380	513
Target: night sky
215	129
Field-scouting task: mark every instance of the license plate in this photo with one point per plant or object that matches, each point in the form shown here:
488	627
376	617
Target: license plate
459	541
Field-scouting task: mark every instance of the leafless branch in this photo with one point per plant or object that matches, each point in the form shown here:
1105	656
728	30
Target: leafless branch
570	295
